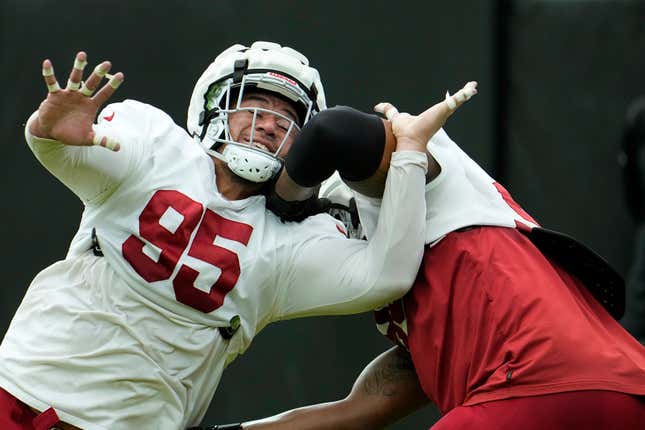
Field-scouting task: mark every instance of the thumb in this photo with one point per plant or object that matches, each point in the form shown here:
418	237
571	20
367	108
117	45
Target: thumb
105	141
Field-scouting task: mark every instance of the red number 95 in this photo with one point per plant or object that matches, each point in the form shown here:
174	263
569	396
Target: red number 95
172	241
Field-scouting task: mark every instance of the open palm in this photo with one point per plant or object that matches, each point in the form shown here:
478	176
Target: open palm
67	114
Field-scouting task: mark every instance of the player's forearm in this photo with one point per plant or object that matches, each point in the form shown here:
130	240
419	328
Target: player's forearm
366	275
90	172
346	414
386	391
325	416
396	248
386	267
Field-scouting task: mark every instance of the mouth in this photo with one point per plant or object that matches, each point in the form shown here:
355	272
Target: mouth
260	146
256	144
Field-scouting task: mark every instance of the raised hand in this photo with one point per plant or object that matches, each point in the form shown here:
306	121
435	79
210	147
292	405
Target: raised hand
67	114
412	132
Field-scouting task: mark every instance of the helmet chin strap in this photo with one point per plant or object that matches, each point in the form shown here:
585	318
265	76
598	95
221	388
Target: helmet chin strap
247	162
217	155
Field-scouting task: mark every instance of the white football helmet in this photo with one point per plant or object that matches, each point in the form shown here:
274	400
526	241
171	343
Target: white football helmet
266	66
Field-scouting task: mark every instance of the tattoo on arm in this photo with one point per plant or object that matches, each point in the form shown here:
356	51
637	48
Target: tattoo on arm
388	373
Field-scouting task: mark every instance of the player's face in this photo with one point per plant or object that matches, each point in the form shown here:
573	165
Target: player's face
270	129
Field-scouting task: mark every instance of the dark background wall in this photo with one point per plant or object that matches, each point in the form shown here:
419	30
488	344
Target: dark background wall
555	78
574	68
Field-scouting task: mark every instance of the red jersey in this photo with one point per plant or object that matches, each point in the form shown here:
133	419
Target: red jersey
490	317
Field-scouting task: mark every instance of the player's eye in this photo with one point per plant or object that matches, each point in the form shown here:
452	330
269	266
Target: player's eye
283	124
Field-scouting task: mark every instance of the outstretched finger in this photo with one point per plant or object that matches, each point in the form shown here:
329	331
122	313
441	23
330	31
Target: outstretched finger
50	77
75	76
444	109
461	96
387	109
105	142
94	79
108	89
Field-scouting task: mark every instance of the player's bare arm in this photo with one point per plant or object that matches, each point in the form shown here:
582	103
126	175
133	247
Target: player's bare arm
67	114
387	390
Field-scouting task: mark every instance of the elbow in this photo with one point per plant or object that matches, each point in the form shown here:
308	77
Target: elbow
413	274
404	286
406	276
394	288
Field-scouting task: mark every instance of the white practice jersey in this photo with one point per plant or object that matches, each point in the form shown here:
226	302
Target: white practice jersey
132	339
462	195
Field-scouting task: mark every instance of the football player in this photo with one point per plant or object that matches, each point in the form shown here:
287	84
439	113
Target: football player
507	326
177	263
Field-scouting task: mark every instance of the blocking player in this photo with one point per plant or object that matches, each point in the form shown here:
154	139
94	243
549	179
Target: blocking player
177	263
507	326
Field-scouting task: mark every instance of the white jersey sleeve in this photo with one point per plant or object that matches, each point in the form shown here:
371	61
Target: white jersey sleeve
462	195
93	172
362	275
